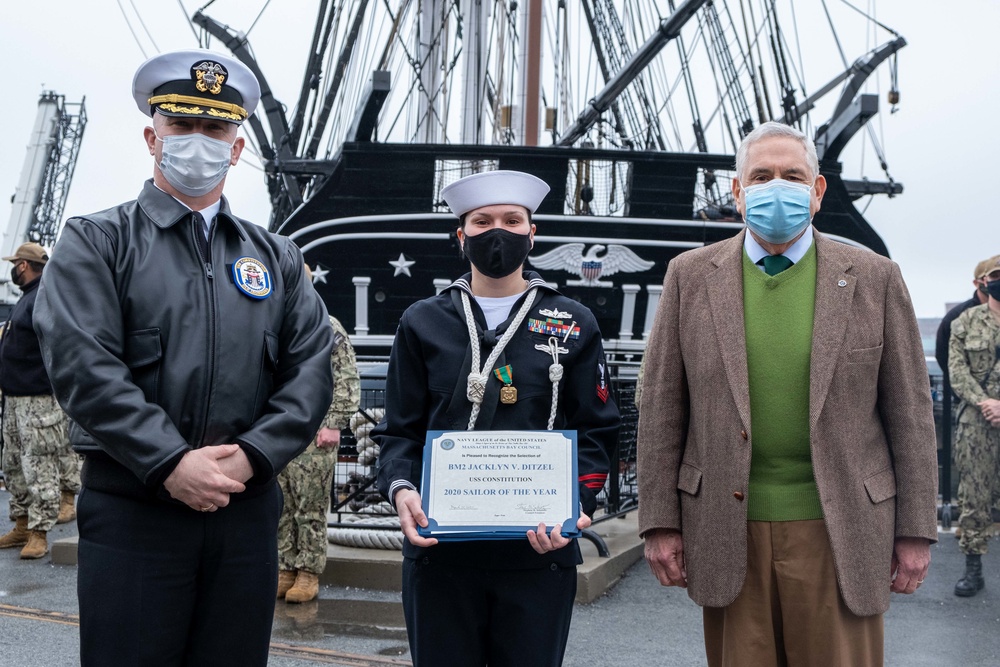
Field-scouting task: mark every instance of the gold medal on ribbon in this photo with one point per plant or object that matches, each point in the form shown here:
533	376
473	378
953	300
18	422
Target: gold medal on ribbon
508	392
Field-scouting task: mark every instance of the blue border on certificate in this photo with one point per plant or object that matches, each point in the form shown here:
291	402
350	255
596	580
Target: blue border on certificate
486	531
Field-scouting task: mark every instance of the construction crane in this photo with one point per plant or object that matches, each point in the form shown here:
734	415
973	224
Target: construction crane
38	202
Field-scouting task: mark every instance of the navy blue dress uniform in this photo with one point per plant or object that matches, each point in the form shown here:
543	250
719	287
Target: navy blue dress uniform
164	333
495	602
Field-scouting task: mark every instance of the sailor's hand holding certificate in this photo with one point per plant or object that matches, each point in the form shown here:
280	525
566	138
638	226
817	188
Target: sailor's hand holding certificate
499	484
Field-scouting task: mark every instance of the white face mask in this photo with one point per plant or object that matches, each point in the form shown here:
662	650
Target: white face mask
194	163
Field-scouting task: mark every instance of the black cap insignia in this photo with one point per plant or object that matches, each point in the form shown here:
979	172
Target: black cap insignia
209	76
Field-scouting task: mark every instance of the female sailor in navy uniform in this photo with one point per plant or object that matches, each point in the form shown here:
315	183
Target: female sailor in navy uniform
496	350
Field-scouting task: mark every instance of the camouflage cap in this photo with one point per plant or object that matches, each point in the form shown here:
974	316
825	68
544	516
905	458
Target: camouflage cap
986	266
31	252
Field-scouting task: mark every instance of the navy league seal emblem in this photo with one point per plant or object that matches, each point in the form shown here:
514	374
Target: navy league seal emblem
252	277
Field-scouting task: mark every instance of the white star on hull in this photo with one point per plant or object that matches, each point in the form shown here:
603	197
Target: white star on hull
319	275
402	265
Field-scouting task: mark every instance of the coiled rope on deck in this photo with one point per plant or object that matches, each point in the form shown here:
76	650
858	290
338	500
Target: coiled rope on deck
368	538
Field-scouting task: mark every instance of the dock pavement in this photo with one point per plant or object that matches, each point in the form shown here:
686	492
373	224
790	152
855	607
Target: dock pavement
622	616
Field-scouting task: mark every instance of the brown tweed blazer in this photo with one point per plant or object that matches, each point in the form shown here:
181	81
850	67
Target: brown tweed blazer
870	417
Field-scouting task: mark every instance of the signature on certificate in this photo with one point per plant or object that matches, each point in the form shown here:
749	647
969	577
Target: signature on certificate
533	509
461	508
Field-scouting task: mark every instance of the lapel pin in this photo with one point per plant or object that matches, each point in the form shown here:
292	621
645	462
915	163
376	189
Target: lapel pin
842	283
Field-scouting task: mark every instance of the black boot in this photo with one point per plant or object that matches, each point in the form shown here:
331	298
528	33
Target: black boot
972	581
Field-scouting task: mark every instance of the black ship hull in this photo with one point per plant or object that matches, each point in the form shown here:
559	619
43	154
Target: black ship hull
376	226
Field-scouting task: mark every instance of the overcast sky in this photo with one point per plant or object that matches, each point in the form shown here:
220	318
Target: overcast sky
941	144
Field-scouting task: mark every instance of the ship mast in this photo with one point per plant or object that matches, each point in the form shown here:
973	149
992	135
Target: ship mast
429	52
669	29
531	58
474	31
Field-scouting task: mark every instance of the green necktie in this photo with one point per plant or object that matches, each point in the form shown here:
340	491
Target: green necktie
775	264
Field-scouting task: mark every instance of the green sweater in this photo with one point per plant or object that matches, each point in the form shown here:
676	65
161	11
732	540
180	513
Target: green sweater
778	312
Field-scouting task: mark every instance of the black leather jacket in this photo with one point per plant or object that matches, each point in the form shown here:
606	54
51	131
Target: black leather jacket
21	369
153	351
426	390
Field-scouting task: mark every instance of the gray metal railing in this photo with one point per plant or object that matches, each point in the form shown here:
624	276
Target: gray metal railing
621	493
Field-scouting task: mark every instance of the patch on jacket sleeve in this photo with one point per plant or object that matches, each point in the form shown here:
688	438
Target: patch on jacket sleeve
602	383
338	339
594	481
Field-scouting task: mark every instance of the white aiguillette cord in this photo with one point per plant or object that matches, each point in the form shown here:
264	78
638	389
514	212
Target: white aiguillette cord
555	374
476	387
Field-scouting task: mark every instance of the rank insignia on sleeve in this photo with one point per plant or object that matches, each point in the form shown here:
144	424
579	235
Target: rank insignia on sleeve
602	384
252	277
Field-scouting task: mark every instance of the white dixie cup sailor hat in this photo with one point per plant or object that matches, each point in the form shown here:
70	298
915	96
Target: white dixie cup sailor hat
495	187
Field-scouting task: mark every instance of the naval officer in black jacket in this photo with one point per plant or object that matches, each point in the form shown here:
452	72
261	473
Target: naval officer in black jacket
194	360
493	602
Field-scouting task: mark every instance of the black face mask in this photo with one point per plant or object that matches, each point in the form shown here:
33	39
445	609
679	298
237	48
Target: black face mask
497	253
15	277
993	288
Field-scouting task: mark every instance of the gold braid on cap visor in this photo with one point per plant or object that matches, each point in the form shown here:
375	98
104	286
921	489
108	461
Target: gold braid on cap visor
236	110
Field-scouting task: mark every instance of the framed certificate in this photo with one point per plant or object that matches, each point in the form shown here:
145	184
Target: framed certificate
499	484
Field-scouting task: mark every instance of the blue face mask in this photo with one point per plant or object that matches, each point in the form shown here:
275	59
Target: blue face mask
777	211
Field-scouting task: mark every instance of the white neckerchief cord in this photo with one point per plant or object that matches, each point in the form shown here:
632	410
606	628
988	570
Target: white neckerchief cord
479	375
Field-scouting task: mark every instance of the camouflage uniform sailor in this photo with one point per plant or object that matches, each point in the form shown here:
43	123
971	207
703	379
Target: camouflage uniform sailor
974	367
69	480
35	440
34	426
306	483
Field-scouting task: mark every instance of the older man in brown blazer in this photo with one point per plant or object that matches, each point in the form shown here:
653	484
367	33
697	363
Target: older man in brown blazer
787	463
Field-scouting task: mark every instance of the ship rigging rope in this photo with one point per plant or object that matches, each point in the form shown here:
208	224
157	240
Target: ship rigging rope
872	19
833	31
416	65
131	30
354	82
798	48
396	19
661	79
876	145
138	15
334	41
259	14
187	19
327	14
800	71
658	73
720	107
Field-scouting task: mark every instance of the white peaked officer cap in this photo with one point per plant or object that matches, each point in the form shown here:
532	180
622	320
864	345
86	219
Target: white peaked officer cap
196	83
495	187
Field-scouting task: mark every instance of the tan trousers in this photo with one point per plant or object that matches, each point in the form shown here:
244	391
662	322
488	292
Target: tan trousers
790	613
